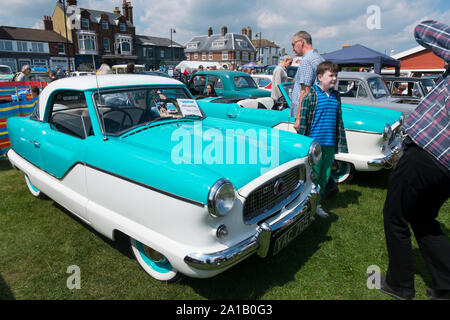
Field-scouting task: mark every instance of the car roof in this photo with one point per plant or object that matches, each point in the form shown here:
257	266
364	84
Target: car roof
224	72
103	81
403	78
360	75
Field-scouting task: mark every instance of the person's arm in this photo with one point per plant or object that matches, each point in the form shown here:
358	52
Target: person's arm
434	36
303	93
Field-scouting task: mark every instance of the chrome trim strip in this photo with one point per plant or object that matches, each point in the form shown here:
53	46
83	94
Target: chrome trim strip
387	161
259	242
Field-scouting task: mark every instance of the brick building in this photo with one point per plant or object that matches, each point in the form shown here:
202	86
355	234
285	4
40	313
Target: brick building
418	61
226	48
97	36
34	47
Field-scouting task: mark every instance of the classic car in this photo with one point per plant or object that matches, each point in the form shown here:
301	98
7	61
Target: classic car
368	89
413	89
6	73
373	134
264	81
226	83
104	149
291	71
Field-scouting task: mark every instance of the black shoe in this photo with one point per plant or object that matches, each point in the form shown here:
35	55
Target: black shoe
438	294
386	288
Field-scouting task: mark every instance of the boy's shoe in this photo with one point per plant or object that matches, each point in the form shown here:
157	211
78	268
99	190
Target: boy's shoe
386	288
438	294
321	213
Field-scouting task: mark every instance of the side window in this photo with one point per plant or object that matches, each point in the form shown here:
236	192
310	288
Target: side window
198	84
348	88
362	93
215	81
69	114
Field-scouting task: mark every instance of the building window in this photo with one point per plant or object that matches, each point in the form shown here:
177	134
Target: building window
37	47
22	46
123	45
161	53
244	56
192	46
188	57
6	45
40	63
195	55
238	55
126	48
218	44
204	56
148	52
210	56
61	48
105	25
224	55
252	55
106	45
85	23
123	27
87	42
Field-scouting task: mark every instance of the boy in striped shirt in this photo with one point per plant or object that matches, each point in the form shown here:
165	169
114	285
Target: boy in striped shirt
321	119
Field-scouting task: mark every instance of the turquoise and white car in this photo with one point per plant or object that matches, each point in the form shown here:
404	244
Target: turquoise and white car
373	134
194	194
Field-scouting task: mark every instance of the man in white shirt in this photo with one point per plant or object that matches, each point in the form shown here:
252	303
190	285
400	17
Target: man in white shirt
280	76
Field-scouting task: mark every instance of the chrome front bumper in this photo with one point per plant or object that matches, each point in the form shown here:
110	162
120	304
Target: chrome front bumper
388	161
259	242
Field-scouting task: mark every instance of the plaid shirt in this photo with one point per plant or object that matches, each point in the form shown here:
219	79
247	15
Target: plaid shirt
308	112
428	126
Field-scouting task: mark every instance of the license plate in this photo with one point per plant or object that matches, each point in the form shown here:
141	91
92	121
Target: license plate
282	241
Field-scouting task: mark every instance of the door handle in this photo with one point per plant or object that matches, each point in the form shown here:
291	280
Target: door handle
231	116
36	144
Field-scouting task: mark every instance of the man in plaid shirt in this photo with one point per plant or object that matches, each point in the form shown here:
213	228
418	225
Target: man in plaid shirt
420	184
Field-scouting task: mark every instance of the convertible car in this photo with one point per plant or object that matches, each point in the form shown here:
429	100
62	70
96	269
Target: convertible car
135	155
373	134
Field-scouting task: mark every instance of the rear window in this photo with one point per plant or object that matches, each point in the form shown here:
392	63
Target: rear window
244	82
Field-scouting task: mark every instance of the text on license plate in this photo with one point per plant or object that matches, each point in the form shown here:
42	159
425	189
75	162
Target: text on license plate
291	233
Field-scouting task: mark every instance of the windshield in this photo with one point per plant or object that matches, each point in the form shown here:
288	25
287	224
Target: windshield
244	82
122	110
288	88
378	88
427	84
5	70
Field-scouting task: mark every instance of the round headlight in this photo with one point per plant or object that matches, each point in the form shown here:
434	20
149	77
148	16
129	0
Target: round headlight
387	132
314	154
221	198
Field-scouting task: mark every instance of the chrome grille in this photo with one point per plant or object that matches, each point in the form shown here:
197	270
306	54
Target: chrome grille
265	197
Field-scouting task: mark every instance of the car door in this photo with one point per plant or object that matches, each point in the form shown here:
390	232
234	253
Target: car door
216	82
63	148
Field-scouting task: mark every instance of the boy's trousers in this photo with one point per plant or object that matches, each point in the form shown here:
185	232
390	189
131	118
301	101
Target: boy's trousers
323	168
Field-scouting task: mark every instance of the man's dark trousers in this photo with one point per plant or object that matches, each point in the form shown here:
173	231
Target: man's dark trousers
418	187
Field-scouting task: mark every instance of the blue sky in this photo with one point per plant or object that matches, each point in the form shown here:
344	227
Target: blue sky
331	23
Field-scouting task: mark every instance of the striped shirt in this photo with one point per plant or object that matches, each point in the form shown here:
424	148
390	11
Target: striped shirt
428	126
323	128
306	74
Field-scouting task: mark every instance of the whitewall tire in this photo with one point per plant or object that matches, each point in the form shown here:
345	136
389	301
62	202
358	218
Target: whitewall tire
342	172
159	268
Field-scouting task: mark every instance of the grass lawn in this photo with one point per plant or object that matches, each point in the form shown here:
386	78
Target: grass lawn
39	240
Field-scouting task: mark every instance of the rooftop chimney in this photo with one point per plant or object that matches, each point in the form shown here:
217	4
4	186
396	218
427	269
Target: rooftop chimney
224	31
130	12
116	10
125	10
71	2
48	23
210	32
249	33
244	31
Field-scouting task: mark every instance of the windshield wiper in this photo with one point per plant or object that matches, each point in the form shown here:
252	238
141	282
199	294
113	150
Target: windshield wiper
194	116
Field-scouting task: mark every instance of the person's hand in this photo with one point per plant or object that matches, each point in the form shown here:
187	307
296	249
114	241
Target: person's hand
297	124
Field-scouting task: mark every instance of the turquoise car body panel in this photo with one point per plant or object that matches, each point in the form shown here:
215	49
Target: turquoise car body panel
156	155
229	88
357	118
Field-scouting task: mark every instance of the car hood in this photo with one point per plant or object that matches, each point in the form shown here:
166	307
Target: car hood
252	92
372	119
167	155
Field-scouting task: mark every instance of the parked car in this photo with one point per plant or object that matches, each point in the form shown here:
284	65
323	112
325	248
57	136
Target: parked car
102	149
155	73
81	73
373	134
264	81
368	89
122	68
226	83
6	73
413	89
